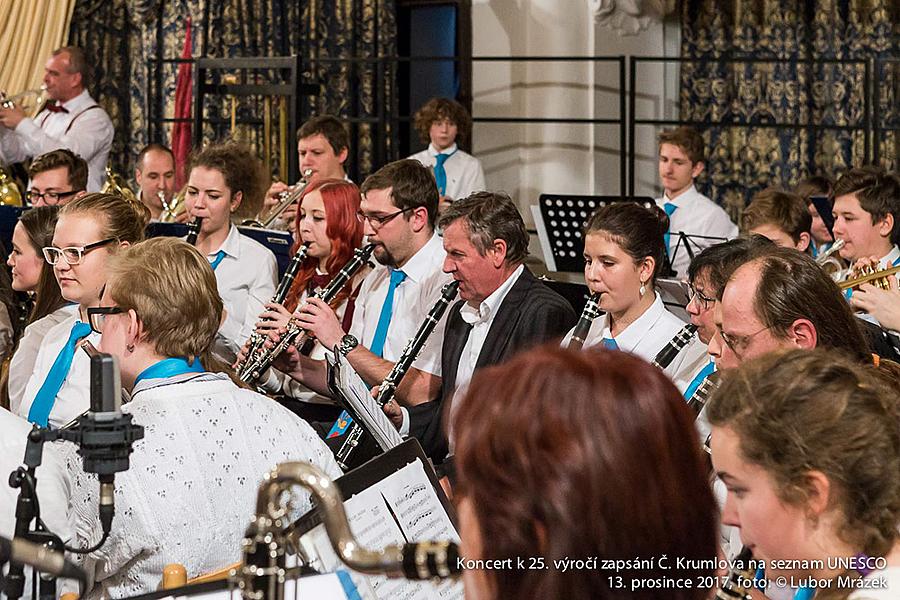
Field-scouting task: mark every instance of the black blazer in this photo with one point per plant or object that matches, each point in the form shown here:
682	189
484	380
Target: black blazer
530	314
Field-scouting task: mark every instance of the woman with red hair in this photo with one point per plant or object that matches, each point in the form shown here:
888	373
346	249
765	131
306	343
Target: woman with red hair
568	462
326	221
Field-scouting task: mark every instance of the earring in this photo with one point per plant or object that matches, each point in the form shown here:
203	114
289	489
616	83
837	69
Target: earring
130	347
643	289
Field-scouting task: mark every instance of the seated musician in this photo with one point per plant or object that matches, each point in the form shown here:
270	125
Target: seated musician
193	478
546	472
808	447
624	252
780	298
57	177
780	216
817	185
88	232
154	173
327	223
226	182
503	308
33	275
867	215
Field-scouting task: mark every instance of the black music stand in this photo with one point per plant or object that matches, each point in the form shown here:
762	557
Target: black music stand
560	220
688	242
9	216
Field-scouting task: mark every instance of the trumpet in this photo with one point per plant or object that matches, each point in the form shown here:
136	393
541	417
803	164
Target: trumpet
832	265
262	573
22	99
257	339
869	275
285	199
253	369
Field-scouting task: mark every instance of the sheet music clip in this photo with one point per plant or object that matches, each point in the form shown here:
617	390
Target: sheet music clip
560	220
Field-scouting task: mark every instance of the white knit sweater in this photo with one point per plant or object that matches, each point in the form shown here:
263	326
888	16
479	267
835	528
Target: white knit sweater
190	491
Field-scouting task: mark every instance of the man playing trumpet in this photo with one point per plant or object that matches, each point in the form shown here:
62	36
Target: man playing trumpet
154	173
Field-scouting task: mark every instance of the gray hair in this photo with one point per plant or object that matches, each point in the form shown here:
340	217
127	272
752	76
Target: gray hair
490	216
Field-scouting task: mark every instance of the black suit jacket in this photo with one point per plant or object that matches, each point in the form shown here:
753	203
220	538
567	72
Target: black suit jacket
530	314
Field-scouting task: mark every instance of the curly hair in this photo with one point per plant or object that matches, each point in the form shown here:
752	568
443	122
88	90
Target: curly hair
438	109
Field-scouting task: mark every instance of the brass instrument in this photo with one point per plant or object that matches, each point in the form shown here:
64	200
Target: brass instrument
590	312
262	574
172	209
37	95
10	194
295	335
257	339
833	265
285	199
116	185
877	278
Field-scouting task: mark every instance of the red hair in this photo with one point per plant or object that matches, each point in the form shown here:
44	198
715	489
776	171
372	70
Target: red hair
341	199
568	454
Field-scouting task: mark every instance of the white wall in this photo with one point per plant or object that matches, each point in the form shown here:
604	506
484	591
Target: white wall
526	160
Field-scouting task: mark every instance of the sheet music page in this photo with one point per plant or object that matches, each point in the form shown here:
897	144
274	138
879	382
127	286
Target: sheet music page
402	507
357	393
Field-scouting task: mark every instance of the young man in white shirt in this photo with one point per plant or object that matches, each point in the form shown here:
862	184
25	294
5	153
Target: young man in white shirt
73	120
681	156
57	177
443	123
867	215
780	216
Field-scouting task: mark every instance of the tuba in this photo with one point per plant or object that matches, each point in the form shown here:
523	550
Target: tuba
262	574
264	219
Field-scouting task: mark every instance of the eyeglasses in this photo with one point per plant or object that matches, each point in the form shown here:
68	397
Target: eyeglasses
738	343
73	255
379	221
50	198
97	316
702	300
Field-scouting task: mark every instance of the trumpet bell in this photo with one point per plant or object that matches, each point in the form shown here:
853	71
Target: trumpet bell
31	101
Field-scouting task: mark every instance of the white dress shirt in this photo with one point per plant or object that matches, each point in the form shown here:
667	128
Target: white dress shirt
413	299
465	174
74	397
695	215
646	336
190	490
90	136
21	366
246	279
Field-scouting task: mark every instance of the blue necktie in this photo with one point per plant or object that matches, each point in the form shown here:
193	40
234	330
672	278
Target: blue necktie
215	262
669	208
700	378
384	319
609	343
46	396
440	174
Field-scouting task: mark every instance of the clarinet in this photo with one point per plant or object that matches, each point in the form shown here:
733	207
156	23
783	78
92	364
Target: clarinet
739	579
698	399
675	345
295	334
591	311
388	387
257	339
193	231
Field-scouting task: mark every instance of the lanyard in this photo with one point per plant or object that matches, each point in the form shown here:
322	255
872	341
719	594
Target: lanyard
169	368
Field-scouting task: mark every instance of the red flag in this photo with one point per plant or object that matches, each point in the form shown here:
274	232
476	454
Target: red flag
181	132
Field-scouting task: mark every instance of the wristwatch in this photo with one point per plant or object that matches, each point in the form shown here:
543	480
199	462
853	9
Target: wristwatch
348	343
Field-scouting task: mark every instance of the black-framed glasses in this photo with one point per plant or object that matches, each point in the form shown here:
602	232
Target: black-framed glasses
379	221
702	300
97	316
50	198
738	343
73	255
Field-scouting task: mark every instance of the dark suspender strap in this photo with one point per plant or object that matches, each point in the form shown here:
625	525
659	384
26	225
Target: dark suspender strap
72	122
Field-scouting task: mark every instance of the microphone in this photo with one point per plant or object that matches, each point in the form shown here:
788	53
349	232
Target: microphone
40	558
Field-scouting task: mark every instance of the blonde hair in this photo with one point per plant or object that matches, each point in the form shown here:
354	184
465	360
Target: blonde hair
802	410
120	219
177	301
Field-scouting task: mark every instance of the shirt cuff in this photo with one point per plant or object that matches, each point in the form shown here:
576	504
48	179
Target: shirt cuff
404	427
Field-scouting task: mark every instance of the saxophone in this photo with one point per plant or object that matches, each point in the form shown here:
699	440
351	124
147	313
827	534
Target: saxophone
257	339
590	312
665	356
262	574
253	369
388	387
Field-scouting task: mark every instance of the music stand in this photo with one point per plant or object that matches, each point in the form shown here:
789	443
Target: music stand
560	220
686	240
9	216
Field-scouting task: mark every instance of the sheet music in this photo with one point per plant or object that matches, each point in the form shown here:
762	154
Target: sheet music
402	507
356	393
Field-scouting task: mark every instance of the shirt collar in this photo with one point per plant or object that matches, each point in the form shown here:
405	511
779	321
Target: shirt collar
489	306
421	264
634	333
434	151
232	244
682	197
890	258
82	100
